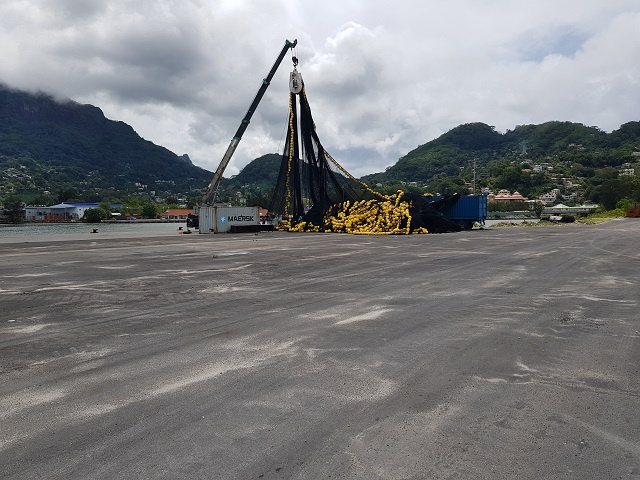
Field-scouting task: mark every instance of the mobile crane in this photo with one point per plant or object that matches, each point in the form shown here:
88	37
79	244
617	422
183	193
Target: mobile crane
210	194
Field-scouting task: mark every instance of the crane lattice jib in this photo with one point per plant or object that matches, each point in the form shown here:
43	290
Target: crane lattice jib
210	193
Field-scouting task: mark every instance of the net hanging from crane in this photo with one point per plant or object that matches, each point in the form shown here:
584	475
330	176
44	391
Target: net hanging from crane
314	193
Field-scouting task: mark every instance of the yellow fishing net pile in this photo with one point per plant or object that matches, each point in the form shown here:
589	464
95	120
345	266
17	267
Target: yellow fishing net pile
366	217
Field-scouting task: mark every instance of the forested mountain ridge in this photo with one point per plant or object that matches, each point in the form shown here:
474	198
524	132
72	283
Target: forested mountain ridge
533	159
53	145
48	145
582	162
255	182
559	141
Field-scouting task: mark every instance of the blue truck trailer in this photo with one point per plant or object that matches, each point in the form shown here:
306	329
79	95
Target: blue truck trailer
464	210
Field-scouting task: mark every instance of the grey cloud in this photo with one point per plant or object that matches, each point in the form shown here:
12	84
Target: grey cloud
74	10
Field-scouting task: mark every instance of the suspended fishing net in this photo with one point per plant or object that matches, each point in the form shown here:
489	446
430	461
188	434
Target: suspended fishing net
314	193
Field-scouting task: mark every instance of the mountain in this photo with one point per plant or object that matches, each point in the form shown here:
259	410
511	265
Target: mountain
261	172
66	147
583	162
254	183
53	145
561	141
568	161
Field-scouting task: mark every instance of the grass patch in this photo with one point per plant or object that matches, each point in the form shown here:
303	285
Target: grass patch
593	219
602	217
522	224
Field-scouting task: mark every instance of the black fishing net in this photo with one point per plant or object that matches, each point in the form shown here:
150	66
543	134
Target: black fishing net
314	193
308	182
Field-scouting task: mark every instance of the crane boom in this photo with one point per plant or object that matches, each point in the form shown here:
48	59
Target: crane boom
210	193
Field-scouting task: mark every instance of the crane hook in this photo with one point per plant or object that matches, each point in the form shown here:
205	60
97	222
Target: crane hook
295	81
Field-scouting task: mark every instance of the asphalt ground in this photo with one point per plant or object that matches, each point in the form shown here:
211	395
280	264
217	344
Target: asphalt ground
508	353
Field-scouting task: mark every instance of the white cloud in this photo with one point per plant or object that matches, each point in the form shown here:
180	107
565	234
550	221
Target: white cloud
382	78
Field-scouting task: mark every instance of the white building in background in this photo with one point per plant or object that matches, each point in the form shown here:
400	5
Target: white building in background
561	209
60	212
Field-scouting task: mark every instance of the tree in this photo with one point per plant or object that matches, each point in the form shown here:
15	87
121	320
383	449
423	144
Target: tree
258	199
448	186
67	194
13	208
508	206
538	208
611	191
94	215
42	200
149	211
106	209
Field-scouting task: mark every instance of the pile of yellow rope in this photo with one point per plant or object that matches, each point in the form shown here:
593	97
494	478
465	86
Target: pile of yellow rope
370	217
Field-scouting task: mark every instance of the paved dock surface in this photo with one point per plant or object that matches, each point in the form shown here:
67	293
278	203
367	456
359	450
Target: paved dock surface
509	353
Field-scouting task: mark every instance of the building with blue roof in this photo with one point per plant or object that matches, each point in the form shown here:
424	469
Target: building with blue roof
61	212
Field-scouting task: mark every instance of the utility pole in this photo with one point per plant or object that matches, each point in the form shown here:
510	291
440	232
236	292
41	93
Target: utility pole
474	176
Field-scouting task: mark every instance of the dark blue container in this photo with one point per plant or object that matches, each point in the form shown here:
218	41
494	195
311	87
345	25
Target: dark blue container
466	210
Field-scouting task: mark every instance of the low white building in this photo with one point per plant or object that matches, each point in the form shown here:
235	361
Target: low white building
60	212
561	209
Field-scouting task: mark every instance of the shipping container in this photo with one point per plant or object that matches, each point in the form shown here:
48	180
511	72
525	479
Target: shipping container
468	207
207	219
633	212
466	210
221	219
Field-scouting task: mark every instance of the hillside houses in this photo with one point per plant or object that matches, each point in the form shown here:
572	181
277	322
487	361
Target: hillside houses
505	196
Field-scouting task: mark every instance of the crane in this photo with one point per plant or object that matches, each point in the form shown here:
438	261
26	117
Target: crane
210	194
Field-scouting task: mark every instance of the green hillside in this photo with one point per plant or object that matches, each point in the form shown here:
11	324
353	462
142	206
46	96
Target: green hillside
47	145
532	159
558	140
72	150
261	172
254	183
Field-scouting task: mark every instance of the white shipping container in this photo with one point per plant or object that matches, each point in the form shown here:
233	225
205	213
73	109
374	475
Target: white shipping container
226	217
207	219
220	219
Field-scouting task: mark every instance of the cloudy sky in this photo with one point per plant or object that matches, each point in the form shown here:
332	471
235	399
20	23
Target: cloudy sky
382	77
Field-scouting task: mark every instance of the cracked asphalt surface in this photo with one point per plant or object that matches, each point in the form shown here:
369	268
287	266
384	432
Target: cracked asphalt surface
498	354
